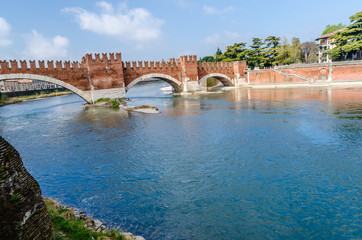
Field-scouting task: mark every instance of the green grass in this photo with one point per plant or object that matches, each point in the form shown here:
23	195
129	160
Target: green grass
14	197
11	100
2	173
114	103
67	228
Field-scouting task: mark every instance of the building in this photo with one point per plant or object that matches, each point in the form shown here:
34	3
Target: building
23	85
325	44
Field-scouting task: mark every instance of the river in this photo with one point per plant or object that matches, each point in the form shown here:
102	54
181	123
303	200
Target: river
240	164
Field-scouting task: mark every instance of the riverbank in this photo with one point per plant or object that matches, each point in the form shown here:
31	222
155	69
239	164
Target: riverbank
69	224
5	100
341	84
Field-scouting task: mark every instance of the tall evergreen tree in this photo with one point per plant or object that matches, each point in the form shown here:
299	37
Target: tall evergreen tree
271	51
348	41
256	56
332	28
235	52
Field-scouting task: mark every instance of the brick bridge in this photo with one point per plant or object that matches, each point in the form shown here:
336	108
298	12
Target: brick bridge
107	76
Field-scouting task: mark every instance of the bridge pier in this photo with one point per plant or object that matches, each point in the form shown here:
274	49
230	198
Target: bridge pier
192	86
112	93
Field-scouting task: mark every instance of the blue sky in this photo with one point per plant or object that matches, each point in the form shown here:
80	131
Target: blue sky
155	30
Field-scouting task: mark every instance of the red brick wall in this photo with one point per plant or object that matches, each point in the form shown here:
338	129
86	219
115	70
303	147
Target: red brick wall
74	74
351	72
270	77
134	70
347	72
227	68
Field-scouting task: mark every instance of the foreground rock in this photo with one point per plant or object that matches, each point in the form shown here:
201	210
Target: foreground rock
23	214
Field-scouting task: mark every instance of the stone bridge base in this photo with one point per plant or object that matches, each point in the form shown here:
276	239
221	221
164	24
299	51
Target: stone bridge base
112	93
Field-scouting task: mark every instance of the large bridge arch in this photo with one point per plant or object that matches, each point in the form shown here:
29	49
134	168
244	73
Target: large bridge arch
75	90
224	79
176	84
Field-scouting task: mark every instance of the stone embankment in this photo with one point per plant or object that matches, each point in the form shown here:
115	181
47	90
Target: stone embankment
91	224
347	72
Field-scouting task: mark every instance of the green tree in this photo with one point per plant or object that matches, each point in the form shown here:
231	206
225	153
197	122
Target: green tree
348	41
218	52
271	51
297	54
331	28
284	54
236	52
207	59
289	54
255	54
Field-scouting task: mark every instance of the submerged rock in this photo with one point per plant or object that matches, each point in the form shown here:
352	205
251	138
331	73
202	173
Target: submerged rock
143	109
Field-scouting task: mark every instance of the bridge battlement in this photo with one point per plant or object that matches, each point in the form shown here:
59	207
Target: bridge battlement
13	66
103	75
216	65
150	65
106	58
188	59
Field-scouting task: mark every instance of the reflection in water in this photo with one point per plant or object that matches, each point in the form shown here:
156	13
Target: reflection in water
241	164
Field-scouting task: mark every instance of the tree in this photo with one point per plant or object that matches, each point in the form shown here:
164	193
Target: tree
284	54
207	59
290	53
218	52
310	52
255	54
271	51
331	28
236	52
296	50
348	41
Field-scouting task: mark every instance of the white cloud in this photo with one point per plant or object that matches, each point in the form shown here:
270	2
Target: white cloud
213	39
182	3
4	33
222	38
39	47
134	24
214	11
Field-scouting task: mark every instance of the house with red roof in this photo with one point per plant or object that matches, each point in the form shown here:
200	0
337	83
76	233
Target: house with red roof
325	44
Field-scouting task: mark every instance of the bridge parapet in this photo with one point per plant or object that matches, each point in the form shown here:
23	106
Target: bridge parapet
150	65
106	58
14	66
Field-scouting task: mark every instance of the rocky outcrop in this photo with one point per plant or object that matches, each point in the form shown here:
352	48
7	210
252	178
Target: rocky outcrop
23	211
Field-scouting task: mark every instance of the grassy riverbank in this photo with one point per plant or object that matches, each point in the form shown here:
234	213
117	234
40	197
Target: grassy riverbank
5	99
67	227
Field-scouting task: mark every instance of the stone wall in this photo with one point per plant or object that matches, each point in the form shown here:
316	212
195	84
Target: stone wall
299	73
23	212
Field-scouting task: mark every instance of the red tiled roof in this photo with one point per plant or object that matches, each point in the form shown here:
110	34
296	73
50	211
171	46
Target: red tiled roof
330	34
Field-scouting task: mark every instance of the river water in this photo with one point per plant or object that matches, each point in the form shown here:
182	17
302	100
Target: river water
241	164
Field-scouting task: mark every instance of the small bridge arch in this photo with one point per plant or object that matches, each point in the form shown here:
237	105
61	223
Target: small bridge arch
224	79
176	84
75	90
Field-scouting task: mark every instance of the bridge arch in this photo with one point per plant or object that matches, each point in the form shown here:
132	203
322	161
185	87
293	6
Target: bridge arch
73	89
176	84
224	79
